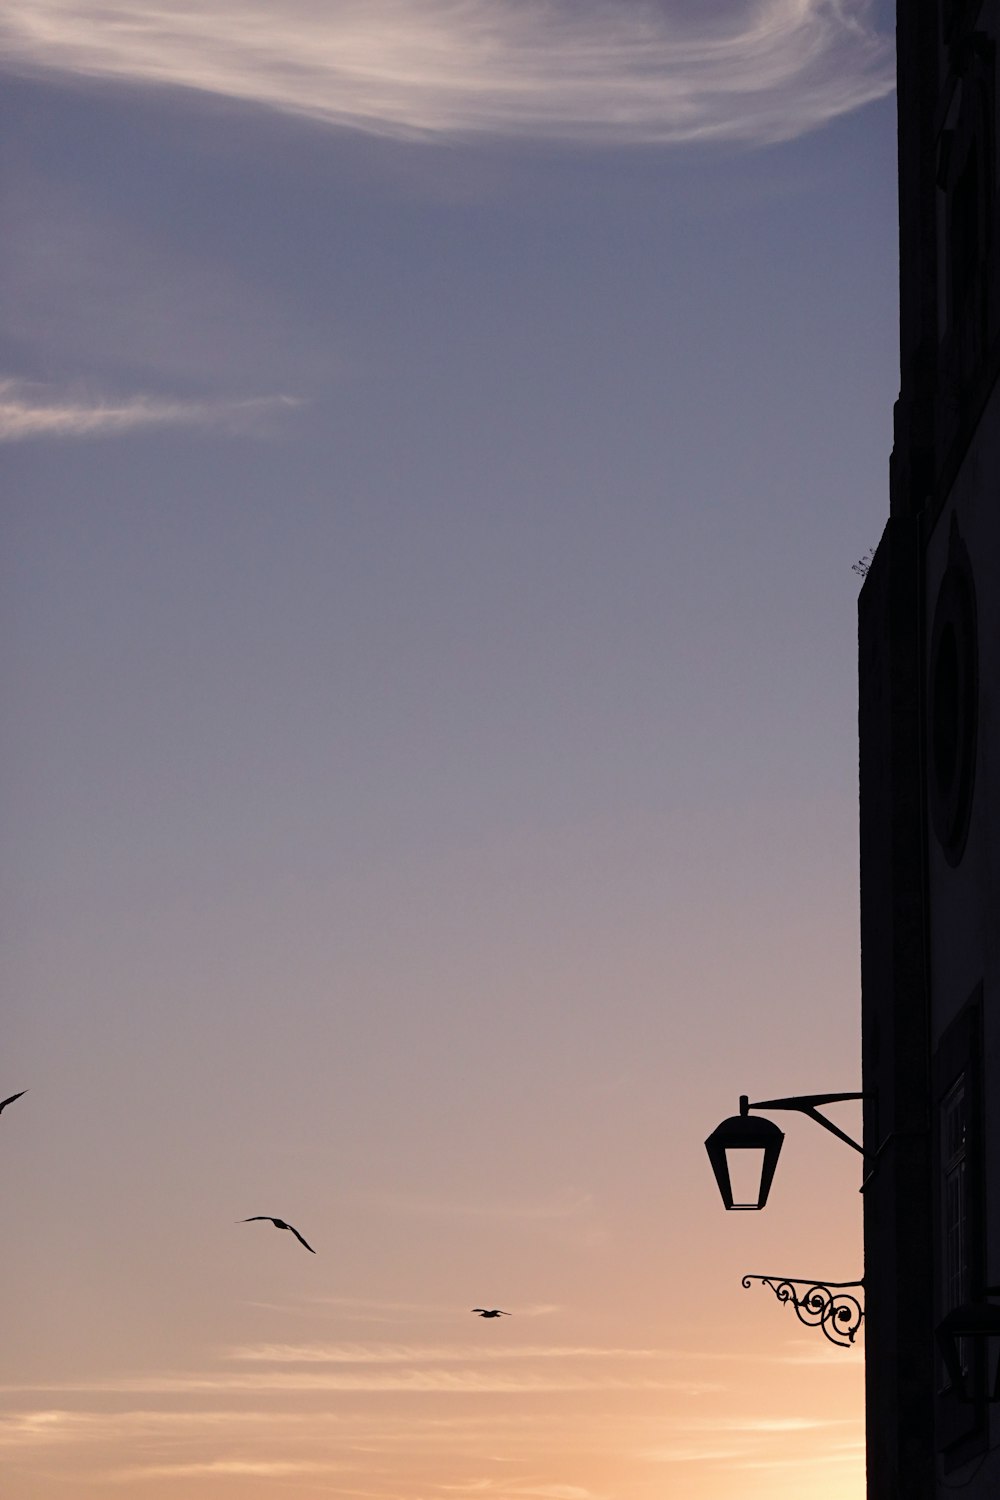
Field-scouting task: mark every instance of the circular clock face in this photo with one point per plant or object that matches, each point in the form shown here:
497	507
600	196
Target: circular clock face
953	699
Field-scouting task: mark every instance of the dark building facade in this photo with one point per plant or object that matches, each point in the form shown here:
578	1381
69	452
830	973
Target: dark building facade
929	727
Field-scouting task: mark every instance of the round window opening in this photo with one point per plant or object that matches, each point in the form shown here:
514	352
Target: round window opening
953	707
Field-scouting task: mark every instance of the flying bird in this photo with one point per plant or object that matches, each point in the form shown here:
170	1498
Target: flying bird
5	1102
280	1224
492	1312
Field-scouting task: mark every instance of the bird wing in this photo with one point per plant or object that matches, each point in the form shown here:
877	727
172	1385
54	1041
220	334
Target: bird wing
300	1239
254	1217
5	1102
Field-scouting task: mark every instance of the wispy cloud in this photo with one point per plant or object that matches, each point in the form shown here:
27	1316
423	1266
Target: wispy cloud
739	1443
694	1453
29	410
537	1491
367	1429
226	1468
602	71
428	1380
735	1429
455	1447
380	1367
811	1461
826	1355
50	1426
395	1354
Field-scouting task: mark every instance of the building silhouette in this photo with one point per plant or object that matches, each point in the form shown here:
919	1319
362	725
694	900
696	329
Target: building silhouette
929	728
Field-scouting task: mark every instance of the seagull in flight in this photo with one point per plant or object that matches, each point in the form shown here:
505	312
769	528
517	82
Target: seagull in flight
280	1224
492	1312
4	1103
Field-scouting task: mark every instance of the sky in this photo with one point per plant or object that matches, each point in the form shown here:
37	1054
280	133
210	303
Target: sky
437	436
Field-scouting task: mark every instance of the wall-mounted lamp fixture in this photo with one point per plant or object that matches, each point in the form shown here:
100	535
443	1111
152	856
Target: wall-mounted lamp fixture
744	1152
744	1149
978	1324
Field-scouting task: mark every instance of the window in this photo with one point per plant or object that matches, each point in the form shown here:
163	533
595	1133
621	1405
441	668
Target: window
959	1223
954	1135
964	227
953	694
965	170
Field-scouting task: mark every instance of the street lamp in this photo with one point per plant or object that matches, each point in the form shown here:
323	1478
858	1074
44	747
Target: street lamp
744	1152
979	1324
747	1146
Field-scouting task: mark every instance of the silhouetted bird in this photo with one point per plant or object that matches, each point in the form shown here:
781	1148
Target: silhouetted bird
492	1312
280	1224
5	1103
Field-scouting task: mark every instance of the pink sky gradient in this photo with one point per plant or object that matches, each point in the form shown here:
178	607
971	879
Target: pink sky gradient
430	768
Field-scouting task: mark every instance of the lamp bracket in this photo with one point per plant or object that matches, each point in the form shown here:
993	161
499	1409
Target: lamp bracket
830	1305
806	1104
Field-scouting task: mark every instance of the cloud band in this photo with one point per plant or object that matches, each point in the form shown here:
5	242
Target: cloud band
626	72
28	410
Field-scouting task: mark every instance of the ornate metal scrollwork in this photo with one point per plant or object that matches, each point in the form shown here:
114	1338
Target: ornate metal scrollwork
830	1305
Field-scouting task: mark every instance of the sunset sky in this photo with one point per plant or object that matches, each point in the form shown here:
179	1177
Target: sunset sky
437	436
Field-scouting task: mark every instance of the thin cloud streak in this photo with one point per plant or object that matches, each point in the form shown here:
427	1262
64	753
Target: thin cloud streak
810	1460
30	1428
541	1491
29	411
738	1428
225	1468
374	1429
699	1455
614	72
364	1431
423	1381
393	1354
193	1443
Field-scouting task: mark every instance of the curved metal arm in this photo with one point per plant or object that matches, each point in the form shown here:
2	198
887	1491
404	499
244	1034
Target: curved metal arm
834	1306
806	1104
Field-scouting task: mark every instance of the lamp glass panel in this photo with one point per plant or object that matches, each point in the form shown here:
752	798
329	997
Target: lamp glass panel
746	1168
